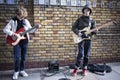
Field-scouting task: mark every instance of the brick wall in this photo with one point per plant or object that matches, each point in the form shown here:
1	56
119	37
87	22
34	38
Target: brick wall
54	41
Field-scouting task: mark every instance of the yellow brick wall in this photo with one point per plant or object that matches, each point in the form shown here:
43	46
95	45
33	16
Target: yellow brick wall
54	40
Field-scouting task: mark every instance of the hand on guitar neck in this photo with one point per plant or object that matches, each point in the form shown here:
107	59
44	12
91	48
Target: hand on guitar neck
39	25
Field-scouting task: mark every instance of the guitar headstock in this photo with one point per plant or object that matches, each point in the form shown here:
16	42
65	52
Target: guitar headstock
37	26
116	22
109	23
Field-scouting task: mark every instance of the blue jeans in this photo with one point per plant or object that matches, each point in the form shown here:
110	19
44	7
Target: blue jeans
83	52
20	50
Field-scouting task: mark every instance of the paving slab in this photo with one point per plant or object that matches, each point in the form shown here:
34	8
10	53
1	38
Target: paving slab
37	74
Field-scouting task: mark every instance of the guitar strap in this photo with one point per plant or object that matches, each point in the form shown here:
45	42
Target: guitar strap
90	25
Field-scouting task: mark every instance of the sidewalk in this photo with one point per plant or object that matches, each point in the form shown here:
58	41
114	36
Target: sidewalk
37	74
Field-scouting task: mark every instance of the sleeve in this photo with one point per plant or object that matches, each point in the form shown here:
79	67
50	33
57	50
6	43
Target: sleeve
74	27
7	28
28	26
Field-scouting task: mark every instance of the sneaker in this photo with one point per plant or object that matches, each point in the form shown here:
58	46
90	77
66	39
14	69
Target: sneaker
84	72
15	75
23	73
75	71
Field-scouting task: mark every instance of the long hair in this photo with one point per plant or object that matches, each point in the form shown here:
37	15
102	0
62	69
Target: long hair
21	11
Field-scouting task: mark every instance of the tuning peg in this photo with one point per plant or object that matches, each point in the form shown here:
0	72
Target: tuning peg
115	23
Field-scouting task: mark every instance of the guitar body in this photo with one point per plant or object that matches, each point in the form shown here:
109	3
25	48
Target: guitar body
78	39
11	41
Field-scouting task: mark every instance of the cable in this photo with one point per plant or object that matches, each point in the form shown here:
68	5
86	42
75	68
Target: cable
64	71
48	74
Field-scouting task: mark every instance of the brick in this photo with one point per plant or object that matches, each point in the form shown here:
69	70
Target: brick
54	40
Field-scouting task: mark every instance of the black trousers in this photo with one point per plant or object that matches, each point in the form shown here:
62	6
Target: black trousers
83	52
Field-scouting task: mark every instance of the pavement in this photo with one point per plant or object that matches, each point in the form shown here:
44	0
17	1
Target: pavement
64	74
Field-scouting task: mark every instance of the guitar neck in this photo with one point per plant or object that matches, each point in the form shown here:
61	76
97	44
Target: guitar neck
43	23
29	30
99	27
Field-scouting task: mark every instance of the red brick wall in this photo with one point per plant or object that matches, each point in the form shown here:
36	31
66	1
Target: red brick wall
54	41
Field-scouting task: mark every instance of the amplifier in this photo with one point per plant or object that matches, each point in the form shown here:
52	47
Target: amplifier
53	66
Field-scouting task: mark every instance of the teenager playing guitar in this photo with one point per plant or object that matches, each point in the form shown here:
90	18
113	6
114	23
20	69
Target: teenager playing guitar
85	45
15	24
84	28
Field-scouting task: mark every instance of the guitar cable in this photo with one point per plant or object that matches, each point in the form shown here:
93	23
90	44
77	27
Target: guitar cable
65	71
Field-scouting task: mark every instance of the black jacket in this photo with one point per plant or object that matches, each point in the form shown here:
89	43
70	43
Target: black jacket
81	23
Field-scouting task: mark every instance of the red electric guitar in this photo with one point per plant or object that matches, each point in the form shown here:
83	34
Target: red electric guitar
12	40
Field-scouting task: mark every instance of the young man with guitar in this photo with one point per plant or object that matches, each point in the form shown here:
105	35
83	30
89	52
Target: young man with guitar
84	46
17	35
84	28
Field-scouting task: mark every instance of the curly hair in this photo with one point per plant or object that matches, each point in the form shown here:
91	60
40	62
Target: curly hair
21	11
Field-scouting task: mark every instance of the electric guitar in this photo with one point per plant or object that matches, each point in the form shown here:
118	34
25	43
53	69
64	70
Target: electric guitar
86	31
13	40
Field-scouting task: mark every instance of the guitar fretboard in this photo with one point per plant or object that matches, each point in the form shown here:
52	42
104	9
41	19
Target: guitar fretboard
105	25
29	30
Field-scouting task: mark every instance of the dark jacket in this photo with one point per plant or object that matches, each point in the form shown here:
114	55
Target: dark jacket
81	23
